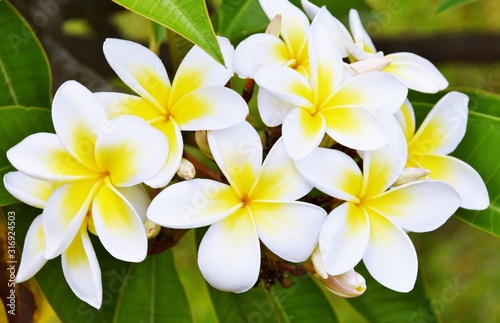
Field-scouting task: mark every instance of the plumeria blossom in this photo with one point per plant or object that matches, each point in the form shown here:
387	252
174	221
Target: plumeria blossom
79	262
439	135
371	223
196	99
322	103
416	72
258	203
97	165
267	49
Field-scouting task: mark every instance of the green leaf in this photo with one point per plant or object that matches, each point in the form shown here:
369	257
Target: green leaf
16	123
189	18
379	304
446	5
481	138
339	8
24	70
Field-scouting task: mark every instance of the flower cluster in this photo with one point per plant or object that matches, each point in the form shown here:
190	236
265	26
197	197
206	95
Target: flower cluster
346	129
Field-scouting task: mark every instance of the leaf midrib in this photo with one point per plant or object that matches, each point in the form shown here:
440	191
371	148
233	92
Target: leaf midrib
8	82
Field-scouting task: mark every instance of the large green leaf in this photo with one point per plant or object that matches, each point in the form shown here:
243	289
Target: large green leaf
189	18
24	70
481	139
16	123
446	5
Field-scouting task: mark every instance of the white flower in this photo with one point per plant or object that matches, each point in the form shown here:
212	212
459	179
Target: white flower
196	100
97	164
258	203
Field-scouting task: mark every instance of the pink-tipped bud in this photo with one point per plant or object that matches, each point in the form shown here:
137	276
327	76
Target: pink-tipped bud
186	170
350	284
274	27
370	64
152	229
411	174
318	264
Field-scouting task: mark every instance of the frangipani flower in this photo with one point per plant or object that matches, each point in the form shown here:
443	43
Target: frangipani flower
79	261
196	99
371	224
266	49
416	72
97	165
258	203
439	135
322	104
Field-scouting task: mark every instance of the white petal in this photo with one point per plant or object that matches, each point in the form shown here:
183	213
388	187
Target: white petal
229	254
443	128
461	176
359	33
81	269
332	172
259	50
390	256
131	151
302	132
310	8
272	110
344	237
419	206
238	153
140	69
406	119
278	178
289	229
416	72
28	190
64	213
175	150
209	108
33	258
79	119
138	197
118	225
42	156
192	204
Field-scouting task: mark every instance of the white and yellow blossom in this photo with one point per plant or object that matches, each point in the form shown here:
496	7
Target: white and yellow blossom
197	99
258	203
371	224
323	103
97	165
439	135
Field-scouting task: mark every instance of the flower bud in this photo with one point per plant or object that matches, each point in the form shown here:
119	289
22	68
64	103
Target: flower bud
186	170
411	174
350	284
152	229
274	27
370	64
318	264
202	142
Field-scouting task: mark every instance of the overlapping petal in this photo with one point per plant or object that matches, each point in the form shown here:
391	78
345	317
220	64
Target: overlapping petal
289	229
302	132
81	269
28	190
238	153
405	116
42	156
333	173
130	157
33	252
193	204
443	128
209	108
140	69
278	178
359	33
390	256
272	110
118	104
419	206
416	72
118	225
138	197
229	254
344	238
460	175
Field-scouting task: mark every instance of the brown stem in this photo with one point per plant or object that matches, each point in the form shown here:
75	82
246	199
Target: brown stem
202	169
248	90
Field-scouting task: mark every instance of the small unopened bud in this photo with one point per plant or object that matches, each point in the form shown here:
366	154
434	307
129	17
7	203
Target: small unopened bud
152	229
370	64
318	264
350	284
186	170
274	27
411	174
202	142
